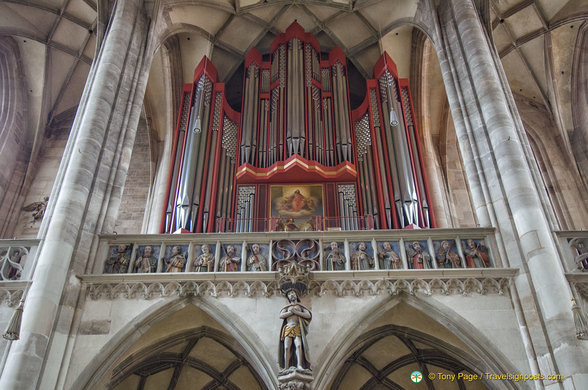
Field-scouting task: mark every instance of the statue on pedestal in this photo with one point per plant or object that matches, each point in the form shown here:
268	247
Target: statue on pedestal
295	371
294	328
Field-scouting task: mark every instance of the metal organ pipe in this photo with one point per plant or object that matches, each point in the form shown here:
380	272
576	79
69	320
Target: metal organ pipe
407	205
186	203
341	109
176	162
417	156
207	191
297	104
342	211
308	111
282	110
249	128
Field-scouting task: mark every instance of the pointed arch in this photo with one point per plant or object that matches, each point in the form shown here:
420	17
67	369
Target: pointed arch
237	334
484	357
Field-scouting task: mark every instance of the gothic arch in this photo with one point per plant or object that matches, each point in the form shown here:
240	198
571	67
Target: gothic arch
225	328
482	357
195	347
422	351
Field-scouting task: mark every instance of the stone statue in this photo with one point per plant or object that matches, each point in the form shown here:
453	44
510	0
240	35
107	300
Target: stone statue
418	257
230	262
388	258
476	255
205	261
147	262
361	259
118	262
257	261
446	257
336	259
296	318
177	260
38	208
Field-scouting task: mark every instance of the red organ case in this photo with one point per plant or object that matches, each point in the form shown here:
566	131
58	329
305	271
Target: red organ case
296	157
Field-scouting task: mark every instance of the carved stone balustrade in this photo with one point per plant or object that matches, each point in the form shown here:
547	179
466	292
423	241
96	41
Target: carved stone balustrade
16	265
431	261
573	246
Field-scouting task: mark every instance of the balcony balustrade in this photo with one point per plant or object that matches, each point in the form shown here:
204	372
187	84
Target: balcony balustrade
573	246
16	267
341	262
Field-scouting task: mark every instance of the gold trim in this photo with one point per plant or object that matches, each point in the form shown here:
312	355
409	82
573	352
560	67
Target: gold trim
283	167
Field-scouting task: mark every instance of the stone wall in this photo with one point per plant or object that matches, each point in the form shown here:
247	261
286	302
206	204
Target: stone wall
47	165
482	326
15	136
134	198
559	172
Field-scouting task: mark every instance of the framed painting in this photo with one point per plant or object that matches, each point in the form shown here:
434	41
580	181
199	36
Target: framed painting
295	207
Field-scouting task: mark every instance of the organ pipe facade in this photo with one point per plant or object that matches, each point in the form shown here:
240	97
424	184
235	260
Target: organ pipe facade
296	157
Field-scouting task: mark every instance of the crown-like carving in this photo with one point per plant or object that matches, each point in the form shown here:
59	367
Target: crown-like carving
293	276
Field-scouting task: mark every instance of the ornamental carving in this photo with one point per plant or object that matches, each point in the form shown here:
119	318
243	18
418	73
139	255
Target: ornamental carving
11	295
257	288
304	252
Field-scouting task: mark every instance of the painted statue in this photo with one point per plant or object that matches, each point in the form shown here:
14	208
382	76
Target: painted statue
418	258
38	208
205	261
147	263
361	259
257	261
335	259
446	257
118	262
388	258
177	260
296	318
230	262
476	255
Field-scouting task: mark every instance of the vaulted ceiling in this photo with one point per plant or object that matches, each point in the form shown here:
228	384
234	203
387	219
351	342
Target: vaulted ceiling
57	40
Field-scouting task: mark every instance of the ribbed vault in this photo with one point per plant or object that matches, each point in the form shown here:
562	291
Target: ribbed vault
385	357
202	358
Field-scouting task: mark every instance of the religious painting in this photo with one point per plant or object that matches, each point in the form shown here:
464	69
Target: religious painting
295	207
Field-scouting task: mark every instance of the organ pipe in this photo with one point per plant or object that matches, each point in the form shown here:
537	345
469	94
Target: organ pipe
297	104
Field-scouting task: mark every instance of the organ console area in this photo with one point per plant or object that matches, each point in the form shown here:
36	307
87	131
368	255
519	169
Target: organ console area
297	158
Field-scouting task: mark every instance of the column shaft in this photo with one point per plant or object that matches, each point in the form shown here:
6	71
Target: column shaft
503	189
90	182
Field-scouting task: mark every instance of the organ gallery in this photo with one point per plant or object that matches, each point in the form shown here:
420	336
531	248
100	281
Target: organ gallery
293	194
297	157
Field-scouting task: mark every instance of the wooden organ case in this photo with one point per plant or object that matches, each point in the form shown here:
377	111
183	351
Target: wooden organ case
296	157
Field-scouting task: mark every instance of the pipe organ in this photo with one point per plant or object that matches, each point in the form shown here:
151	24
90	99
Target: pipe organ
297	157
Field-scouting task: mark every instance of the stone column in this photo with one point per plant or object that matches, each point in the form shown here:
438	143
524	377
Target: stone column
84	199
504	193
